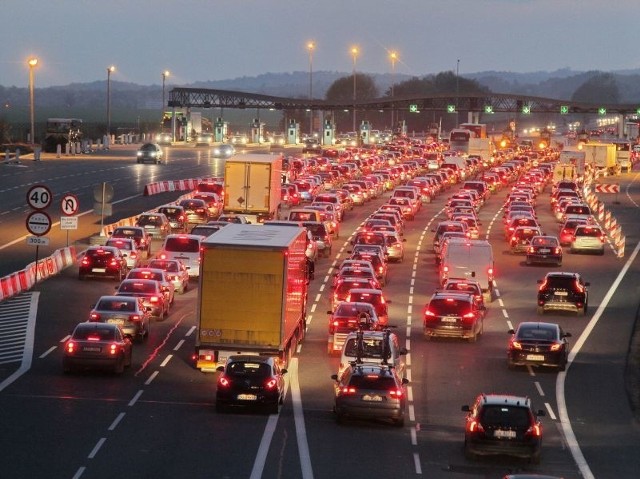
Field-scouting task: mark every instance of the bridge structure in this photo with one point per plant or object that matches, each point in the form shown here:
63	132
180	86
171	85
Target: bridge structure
480	103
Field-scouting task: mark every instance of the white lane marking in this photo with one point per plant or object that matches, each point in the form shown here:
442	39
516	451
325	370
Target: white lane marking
567	429
151	378
116	421
539	388
531	371
97	447
27	354
414	436
179	345
416	462
263	450
501	303
191	330
322	287
166	360
298	416
318	296
135	398
505	314
313	307
409	393
79	472
412	413
550	411
509	325
47	352
65	338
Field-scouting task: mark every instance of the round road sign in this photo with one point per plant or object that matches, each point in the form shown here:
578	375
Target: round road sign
39	197
38	223
69	204
103	193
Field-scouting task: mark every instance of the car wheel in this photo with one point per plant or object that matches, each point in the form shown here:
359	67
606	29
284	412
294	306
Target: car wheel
559	263
66	367
540	310
528	262
510	365
474	337
582	311
535	458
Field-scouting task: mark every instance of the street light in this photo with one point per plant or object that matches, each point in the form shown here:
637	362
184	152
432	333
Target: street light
32	62
457	92
110	70
310	47
393	56
354	53
165	74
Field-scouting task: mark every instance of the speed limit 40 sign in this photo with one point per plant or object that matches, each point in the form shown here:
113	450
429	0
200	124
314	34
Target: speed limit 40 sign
39	197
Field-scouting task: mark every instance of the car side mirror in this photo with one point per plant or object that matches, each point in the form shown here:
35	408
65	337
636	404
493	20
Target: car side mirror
220	368
405	381
539	281
334	377
566	335
465	408
404	240
329	312
511	331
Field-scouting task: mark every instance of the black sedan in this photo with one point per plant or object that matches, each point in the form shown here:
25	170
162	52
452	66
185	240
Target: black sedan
247	380
538	344
544	249
97	345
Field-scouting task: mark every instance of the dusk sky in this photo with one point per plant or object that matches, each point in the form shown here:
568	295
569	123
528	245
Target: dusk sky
199	40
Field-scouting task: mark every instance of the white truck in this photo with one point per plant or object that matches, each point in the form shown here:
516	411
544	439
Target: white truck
252	186
469	259
482	147
570	165
601	157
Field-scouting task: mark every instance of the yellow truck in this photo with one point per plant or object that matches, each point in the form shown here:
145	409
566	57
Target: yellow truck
253	293
252	184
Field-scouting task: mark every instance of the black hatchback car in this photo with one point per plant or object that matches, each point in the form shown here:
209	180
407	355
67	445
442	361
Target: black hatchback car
538	344
563	291
503	424
103	261
250	381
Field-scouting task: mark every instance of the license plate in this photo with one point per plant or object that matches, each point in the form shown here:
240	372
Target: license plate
98	270
91	349
247	397
501	433
115	321
535	357
449	319
561	293
372	397
148	227
544	250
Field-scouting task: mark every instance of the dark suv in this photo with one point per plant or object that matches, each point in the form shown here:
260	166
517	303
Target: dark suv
563	291
501	424
453	314
370	391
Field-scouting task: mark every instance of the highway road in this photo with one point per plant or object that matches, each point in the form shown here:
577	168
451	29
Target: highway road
158	419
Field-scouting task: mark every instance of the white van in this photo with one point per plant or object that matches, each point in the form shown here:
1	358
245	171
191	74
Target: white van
469	259
304	215
184	248
372	346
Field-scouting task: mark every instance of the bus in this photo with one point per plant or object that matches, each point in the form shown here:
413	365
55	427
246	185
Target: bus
459	140
479	130
61	131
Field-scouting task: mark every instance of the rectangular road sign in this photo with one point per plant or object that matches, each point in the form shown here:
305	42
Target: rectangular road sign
607	188
38	240
68	222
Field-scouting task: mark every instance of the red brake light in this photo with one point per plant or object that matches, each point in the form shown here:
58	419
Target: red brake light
113	349
94	317
271	383
428	312
516	345
154	299
578	286
71	346
475	426
93	338
348	390
556	346
535	430
134	317
223	381
396	393
86	261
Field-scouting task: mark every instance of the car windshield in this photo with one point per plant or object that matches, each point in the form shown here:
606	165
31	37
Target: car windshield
126	233
170	266
536	333
145	275
372	298
99	253
116	305
501	416
351	309
94	333
449	306
593	232
372	348
148	147
149	220
250	369
137	287
372	381
169	211
126	245
182	245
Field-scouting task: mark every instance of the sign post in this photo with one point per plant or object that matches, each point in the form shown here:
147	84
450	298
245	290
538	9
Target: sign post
38	222
69	207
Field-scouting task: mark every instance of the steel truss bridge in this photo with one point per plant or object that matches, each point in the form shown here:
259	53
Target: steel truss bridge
482	103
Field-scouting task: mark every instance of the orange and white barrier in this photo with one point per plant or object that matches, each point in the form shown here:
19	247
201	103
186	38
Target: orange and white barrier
23	280
171	185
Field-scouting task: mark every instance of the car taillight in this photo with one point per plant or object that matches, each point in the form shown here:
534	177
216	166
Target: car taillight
445	269
556	346
470	315
428	312
94	317
223	381
86	261
602	238
474	426
113	349
181	218
133	254
490	272
396	393
162	256
515	345
535	431
531	249
71	347
578	287
347	390
271	383
113	262
557	250
134	317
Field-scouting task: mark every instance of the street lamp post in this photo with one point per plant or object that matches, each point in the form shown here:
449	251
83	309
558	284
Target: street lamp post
457	92
32	63
110	70
310	47
165	74
354	53
393	56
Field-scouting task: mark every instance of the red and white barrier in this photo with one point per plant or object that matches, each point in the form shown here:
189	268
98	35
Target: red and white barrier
23	280
172	185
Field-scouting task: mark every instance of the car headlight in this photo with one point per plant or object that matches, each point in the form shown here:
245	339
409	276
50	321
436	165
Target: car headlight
139	153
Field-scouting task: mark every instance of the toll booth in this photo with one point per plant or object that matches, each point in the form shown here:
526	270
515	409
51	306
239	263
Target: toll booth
328	133
293	132
257	130
220	130
401	128
365	132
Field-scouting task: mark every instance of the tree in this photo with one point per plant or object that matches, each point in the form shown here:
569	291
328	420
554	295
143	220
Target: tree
341	90
601	88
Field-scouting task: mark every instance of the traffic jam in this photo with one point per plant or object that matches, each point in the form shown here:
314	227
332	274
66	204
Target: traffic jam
396	184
